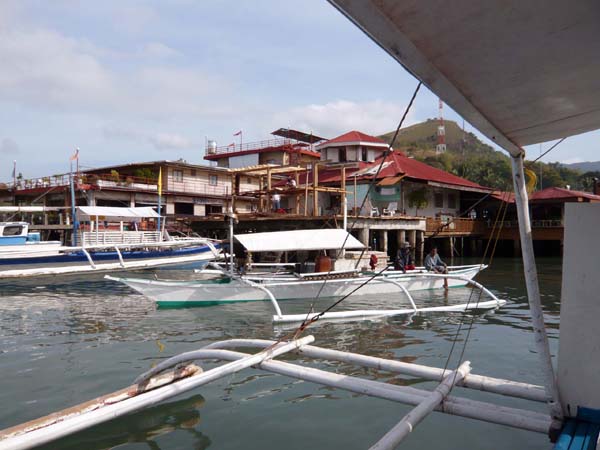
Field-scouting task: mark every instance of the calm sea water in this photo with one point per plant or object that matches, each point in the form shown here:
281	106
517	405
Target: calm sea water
64	342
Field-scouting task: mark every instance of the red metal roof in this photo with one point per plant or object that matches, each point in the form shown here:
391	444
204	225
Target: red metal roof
397	164
557	193
550	194
353	136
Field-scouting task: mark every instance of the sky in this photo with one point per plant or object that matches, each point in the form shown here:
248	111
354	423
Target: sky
152	80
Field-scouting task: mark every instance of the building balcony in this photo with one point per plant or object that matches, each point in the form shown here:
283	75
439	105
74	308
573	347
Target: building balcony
455	227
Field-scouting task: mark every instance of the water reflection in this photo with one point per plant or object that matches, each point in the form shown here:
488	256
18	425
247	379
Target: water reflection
144	426
65	341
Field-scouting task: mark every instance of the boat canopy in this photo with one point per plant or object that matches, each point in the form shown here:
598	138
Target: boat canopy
522	72
115	213
284	241
30	209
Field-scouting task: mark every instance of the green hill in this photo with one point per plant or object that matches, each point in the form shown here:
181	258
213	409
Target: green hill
470	158
423	136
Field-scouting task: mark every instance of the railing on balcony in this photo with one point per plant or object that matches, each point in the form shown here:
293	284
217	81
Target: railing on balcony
198	187
545	223
100	180
248	146
454	226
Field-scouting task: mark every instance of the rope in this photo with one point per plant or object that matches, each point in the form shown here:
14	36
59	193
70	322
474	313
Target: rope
371	184
307	322
494	237
547	151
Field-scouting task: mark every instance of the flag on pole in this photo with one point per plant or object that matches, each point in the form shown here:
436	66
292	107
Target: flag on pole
159	182
231	145
75	155
238	133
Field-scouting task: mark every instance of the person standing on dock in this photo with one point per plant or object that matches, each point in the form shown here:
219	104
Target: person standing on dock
433	263
276	202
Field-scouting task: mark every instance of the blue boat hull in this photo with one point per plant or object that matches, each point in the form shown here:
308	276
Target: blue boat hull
79	258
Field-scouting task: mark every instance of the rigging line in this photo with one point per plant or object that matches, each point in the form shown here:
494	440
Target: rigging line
468	210
459	328
547	151
374	179
466	341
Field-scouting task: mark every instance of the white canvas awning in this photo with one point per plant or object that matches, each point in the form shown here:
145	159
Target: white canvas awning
522	72
30	209
283	241
115	213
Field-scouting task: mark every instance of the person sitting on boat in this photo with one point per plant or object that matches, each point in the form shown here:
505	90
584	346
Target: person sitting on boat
433	263
404	259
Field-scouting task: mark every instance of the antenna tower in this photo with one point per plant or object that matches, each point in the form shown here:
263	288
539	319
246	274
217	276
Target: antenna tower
441	131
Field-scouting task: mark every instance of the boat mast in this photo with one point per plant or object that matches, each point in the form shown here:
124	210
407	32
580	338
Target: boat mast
533	289
231	219
73	213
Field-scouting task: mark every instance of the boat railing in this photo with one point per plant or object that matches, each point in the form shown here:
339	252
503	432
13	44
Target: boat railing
90	238
372	313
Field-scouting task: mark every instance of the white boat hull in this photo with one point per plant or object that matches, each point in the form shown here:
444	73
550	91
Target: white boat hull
211	292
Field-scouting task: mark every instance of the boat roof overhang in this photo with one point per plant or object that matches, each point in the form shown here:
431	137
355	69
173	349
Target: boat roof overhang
298	240
522	72
115	213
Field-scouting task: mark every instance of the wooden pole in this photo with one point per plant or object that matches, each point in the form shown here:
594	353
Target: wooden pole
315	193
355	205
533	289
306	195
397	434
297	196
343	198
268	208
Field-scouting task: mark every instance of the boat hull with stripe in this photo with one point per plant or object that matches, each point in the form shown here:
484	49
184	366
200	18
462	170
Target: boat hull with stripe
178	293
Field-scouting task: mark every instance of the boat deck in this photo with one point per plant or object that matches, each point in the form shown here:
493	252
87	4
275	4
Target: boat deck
580	433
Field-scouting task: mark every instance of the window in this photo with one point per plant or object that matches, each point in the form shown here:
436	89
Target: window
343	154
248	180
213	180
438	200
193	172
178	175
365	154
12	230
451	201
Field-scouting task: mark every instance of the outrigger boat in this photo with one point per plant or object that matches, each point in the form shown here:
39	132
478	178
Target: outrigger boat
22	254
342	279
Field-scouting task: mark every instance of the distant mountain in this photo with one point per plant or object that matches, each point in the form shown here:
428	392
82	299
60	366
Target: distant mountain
587	166
470	158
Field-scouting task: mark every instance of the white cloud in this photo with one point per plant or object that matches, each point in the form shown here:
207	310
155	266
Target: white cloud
165	141
573	160
160	141
334	118
159	51
45	69
9	147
